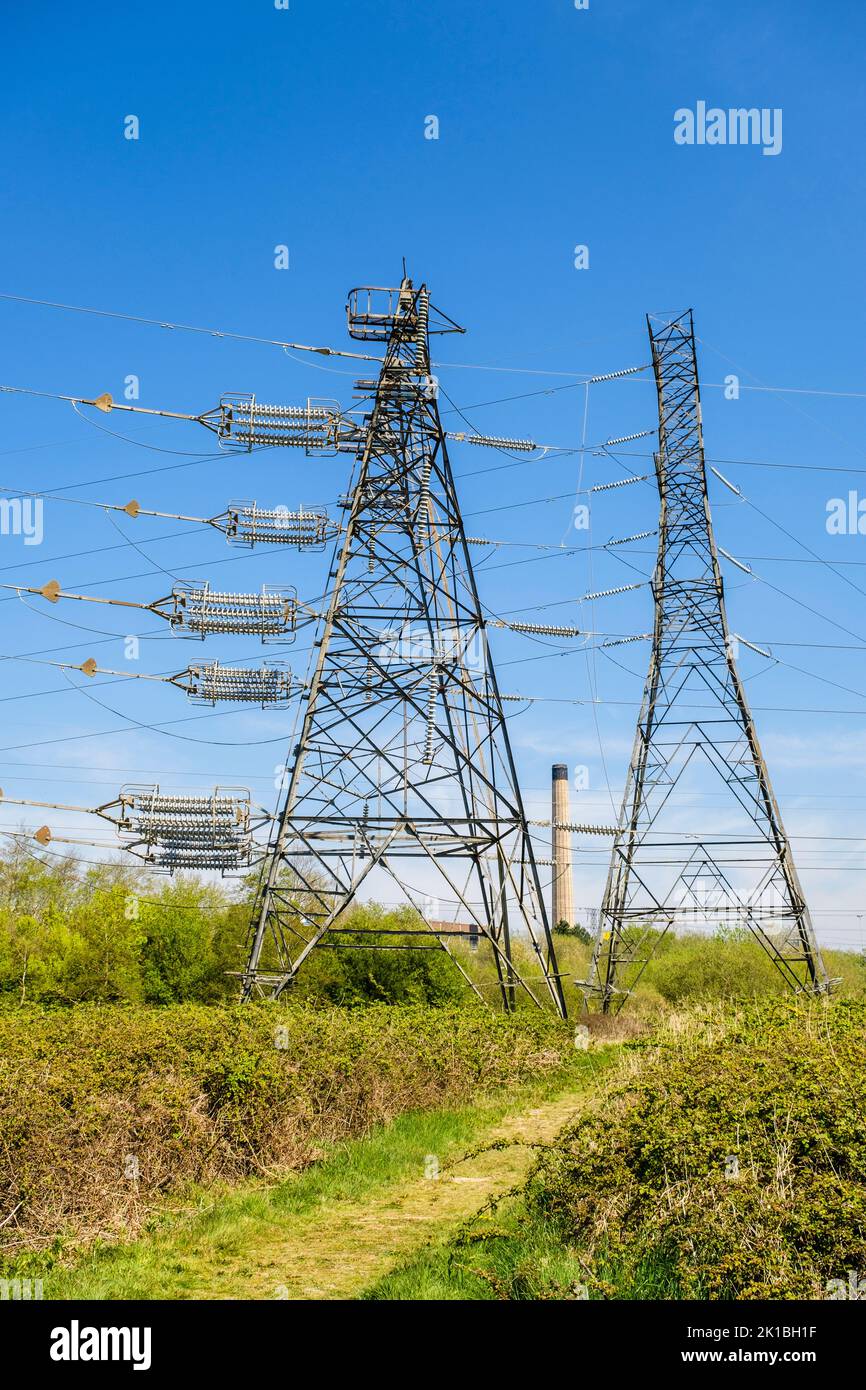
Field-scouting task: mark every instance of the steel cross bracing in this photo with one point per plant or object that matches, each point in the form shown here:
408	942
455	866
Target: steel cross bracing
403	768
667	871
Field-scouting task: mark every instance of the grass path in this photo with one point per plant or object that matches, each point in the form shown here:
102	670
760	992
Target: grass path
343	1247
334	1230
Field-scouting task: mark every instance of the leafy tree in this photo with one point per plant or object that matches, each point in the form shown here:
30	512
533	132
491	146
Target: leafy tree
182	954
71	933
402	974
576	930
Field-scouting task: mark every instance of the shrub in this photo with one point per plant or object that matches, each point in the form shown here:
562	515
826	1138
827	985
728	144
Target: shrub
726	965
731	1165
104	1109
414	970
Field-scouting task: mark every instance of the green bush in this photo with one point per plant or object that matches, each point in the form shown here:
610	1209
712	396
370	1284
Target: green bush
413	971
726	965
730	1166
105	1108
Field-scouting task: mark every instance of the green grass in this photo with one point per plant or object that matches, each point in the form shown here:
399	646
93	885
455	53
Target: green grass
520	1259
514	1256
188	1250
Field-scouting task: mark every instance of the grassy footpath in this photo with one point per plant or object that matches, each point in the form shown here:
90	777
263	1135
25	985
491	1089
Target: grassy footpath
331	1230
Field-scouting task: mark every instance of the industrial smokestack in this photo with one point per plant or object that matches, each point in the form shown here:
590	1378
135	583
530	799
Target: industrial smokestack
562	898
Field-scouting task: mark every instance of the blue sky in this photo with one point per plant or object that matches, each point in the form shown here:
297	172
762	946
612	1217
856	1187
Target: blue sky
305	127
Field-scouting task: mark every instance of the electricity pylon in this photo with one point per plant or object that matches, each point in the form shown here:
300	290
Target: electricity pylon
403	769
694	730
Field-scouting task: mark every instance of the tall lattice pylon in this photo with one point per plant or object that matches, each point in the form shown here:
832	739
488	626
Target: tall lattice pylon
403	773
673	865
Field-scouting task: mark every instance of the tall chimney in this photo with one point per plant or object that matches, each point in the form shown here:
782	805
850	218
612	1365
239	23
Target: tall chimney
562	897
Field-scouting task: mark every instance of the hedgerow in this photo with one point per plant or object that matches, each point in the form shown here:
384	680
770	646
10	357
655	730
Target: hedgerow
731	1164
106	1109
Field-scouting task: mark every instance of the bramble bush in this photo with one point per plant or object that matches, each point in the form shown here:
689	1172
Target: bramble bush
730	1165
103	1109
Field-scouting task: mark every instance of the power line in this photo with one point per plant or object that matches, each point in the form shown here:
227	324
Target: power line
190	328
579	377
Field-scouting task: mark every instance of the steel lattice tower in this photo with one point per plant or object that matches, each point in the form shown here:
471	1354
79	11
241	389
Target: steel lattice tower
694	729
403	764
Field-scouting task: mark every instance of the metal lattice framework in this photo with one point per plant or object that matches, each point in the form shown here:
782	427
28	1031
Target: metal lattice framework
694	730
403	768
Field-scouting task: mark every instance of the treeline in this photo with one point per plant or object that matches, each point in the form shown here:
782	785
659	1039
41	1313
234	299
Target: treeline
72	932
75	933
105	933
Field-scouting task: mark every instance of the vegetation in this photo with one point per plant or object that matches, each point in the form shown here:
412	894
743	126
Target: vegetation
102	933
727	1163
105	1109
724	1159
328	1229
730	964
72	933
576	930
363	975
